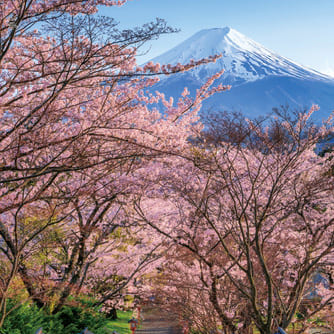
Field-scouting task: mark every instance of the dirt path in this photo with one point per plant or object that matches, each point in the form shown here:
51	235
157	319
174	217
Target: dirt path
156	322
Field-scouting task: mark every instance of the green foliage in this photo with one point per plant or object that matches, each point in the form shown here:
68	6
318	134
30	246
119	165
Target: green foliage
75	319
128	298
120	325
27	318
23	320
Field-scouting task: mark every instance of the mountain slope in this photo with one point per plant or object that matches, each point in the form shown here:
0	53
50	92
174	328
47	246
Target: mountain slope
260	78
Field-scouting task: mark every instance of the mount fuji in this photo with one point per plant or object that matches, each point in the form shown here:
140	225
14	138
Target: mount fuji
260	79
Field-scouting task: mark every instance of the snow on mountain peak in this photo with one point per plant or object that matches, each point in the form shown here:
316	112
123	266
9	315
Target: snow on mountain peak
244	60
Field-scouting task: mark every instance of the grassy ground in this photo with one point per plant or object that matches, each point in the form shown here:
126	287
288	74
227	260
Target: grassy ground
120	325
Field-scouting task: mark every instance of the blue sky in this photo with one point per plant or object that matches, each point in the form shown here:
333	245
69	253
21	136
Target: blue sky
302	30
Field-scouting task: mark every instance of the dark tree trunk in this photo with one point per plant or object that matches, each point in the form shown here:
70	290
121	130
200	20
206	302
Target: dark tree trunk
31	286
112	315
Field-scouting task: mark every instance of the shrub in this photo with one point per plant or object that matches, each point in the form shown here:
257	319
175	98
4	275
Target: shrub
27	318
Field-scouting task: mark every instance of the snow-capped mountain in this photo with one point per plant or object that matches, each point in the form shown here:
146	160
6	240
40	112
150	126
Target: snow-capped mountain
260	78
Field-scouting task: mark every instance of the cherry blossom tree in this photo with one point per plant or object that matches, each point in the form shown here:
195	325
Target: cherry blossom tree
98	251
76	120
257	216
181	286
